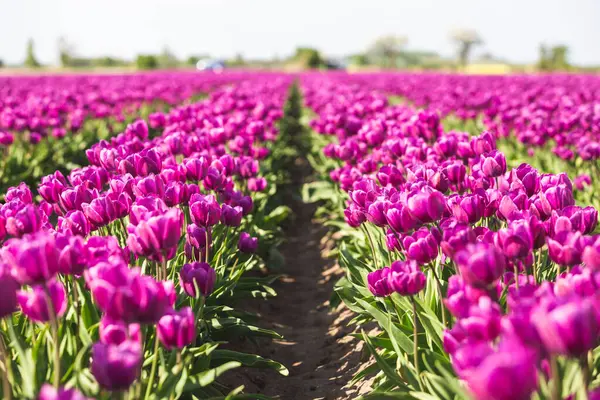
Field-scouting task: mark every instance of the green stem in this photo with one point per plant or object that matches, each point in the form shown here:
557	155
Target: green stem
416	342
54	327
372	247
153	369
6	388
556	389
439	287
585	375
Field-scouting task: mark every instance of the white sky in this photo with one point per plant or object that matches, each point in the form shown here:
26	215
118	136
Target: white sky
511	29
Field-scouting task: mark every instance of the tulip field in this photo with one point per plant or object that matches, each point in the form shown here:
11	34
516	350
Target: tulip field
145	217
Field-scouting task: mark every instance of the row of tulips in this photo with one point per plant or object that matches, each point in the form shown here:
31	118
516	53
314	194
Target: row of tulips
122	280
483	279
38	113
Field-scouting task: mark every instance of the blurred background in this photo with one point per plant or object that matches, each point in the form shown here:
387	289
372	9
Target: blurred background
472	36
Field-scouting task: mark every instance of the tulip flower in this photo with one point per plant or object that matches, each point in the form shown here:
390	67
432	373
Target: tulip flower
247	243
480	264
199	275
177	329
116	366
35	306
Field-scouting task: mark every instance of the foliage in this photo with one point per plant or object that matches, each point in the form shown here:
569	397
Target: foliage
30	59
146	61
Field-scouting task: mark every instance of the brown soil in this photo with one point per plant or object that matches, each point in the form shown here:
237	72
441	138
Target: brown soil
318	350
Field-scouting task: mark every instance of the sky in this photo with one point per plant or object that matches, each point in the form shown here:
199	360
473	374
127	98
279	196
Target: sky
511	29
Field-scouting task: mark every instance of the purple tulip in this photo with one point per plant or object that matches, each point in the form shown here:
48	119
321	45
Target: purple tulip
568	326
34	304
73	257
566	247
75	223
480	264
100	211
175	193
195	168
214	179
468	208
493	164
116	367
200	275
257	184
516	241
455	236
158	236
354	216
378	282
247	243
205	210
231	216
399	218
33	258
48	392
376	212
116	332
591	255
423	245
177	329
27	219
151	185
405	278
21	192
427	206
508	374
582	181
8	290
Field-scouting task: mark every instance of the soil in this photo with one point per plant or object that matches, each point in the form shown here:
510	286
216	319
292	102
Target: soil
317	348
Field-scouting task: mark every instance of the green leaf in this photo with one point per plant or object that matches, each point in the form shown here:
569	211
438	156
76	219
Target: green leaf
205	378
249	360
389	372
399	339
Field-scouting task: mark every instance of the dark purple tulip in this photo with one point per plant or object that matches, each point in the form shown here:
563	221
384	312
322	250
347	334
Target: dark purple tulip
582	181
559	197
34	303
116	332
493	164
378	282
6	139
175	193
484	143
104	248
205	210
197	274
51	186
400	219
151	185
33	258
567	327
197	240
111	286
405	278
566	248
591	255
35	138
28	219
75	223
507	374
49	392
516	241
354	216
257	184
195	168
480	264
214	179
153	298
73	198
468	208
177	329
423	245
231	216
583	220
147	162
427	206
158	236
247	243
21	192
8	291
116	367
100	211
376	212
455	236
138	128
390	175
456	172
248	167
73	258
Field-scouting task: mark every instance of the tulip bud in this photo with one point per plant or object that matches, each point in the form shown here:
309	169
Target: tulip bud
247	243
116	367
405	278
8	291
116	332
378	282
33	258
199	275
480	264
34	304
177	329
49	392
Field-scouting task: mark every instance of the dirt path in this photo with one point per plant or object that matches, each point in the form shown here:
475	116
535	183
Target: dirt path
317	349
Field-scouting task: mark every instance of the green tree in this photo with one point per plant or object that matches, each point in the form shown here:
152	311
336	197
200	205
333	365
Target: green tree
65	52
544	59
386	50
166	59
558	58
146	61
309	56
30	59
466	40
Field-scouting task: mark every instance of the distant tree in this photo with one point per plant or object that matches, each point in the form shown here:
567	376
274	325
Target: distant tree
146	61
558	58
544	58
65	52
360	59
166	59
466	39
30	59
309	56
192	60
386	50
1	63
